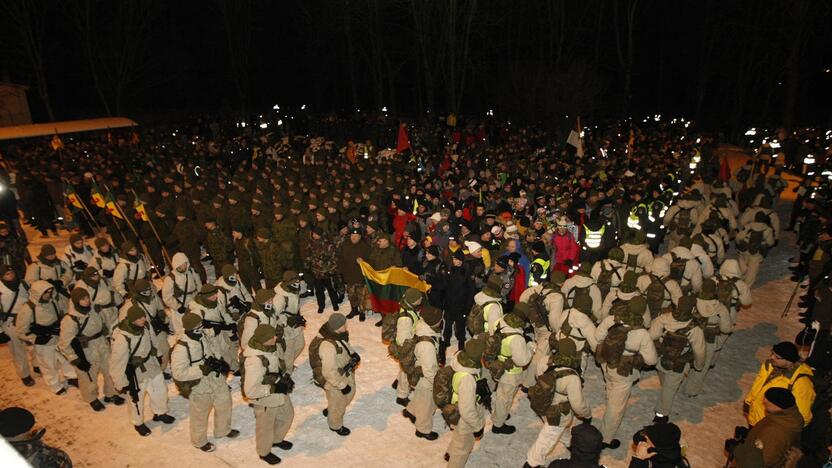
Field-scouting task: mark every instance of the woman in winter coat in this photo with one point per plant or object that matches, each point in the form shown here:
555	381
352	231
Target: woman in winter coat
565	248
412	256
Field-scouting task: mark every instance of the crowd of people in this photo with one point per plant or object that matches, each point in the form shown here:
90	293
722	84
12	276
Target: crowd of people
191	253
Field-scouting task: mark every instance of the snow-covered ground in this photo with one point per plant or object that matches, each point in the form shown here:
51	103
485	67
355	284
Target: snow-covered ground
381	437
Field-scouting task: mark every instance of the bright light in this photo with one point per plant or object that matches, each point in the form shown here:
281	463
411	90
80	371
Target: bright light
280	122
751	132
264	125
698	140
243	124
809	159
303	107
657	117
276	107
490	112
774	144
384	109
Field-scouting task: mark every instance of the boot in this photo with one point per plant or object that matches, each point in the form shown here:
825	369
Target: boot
613	444
271	459
115	399
284	445
143	430
409	416
28	381
164	418
504	429
353	313
361	317
402	401
96	405
429	436
232	434
343	431
209	447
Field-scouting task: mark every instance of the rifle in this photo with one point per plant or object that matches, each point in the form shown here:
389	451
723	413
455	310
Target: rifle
242	306
484	393
76	346
218	326
217	365
59	287
355	359
791	299
132	385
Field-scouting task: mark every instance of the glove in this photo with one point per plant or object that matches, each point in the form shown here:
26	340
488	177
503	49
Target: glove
79	265
42	339
346	390
123	389
270	379
478	434
81	364
283	386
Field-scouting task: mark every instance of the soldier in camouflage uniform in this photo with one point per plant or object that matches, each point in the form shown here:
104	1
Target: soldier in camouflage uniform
238	216
218	245
187	237
322	265
12	250
269	255
248	260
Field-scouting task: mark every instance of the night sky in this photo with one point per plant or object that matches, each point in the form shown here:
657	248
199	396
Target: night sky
728	63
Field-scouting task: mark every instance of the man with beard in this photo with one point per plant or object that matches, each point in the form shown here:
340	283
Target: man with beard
83	342
14	293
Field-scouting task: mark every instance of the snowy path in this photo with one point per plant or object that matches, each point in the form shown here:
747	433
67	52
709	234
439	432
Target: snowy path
382	437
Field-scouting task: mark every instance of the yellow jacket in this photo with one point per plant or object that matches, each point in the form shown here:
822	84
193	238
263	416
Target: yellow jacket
801	387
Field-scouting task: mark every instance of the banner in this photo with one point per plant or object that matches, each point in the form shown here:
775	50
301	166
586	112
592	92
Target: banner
387	286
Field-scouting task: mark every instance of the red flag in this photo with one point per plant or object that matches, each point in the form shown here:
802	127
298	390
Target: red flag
724	170
402	142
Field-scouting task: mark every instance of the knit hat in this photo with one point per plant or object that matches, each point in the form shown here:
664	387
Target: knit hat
47	250
290	276
263	296
494	286
263	333
473	246
514	321
686	242
665	438
538	246
228	270
557	278
708	291
100	242
77	294
433	250
336	321
616	254
134	313
141	285
586	440
207	289
73	238
639	237
263	233
15	421
786	350
191	321
562	346
412	298
459	255
780	397
471	356
585	269
431	315
635	311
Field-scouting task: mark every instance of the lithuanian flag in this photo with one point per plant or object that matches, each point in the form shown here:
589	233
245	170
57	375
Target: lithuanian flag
72	196
112	209
96	197
387	286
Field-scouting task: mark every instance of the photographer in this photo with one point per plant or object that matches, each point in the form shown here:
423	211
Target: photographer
657	446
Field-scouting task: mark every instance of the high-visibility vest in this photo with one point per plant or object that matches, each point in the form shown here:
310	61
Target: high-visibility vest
593	238
505	353
544	264
633	221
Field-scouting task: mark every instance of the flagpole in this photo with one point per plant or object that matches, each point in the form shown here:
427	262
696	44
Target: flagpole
129	224
165	254
84	206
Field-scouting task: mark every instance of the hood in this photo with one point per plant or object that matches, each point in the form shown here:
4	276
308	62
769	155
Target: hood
707	307
687	203
682	252
660	267
633	249
457	367
38	288
423	329
481	298
730	269
789	420
178	259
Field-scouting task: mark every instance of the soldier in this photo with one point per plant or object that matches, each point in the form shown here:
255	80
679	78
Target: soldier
715	321
656	285
624	347
48	268
287	308
157	320
514	355
267	385
351	251
13	250
234	294
38	324
131	267
217	325
731	290
680	346
565	400
262	312
543	305
179	288
13	294
83	342
333	364
134	367
582	284
200	375
77	256
637	255
322	264
576	324
218	244
492	309
619	297
608	273
467	367
680	219
104	299
753	244
269	256
248	260
187	237
457	305
104	259
410	306
421	408
684	267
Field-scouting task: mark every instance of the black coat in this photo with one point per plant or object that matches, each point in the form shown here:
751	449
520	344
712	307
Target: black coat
460	291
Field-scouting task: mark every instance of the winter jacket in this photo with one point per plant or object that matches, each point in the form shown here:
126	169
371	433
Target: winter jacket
34	311
641	254
347	264
332	362
798	380
775	434
471	412
381	259
693	272
186	357
92	333
127	272
136	345
665	323
580	281
257	392
564	248
461	292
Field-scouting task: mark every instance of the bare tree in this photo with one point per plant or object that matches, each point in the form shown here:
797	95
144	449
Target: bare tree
29	20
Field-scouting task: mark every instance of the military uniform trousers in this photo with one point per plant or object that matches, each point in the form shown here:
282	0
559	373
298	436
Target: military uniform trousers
272	424
18	349
671	382
52	364
422	406
750	265
618	393
294	346
540	452
210	394
462	443
336	404
97	353
696	379
403	385
504	396
355	293
154	387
